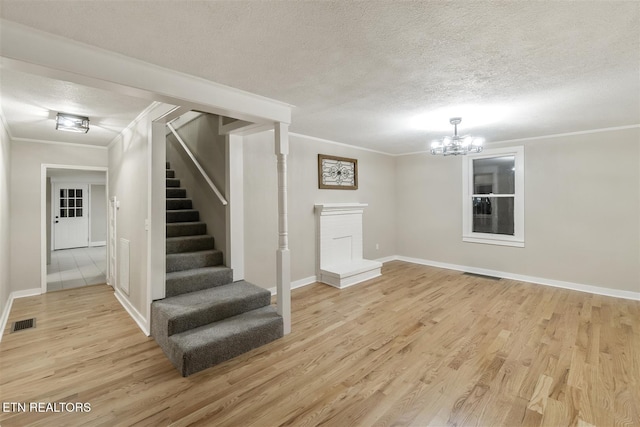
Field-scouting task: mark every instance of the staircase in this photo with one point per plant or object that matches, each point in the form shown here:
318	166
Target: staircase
206	318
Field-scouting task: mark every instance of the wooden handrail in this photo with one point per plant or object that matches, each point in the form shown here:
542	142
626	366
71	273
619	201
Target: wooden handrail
197	164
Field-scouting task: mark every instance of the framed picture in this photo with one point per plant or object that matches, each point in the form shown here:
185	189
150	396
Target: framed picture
339	173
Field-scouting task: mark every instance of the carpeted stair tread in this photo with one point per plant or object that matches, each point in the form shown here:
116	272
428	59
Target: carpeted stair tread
182	282
179	203
197	349
183	229
205	319
183	215
189	243
190	260
188	311
176	192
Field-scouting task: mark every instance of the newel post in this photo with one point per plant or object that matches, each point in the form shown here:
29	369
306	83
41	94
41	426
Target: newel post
283	258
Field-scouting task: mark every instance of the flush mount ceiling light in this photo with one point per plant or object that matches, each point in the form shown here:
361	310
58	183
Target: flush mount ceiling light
72	123
455	145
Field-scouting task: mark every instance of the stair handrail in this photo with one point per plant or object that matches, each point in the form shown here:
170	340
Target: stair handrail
197	164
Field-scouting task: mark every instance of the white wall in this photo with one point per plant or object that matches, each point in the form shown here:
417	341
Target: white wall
5	206
26	161
376	186
129	182
582	210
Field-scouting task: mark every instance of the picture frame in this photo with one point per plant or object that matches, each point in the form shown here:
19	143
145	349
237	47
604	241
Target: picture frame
337	173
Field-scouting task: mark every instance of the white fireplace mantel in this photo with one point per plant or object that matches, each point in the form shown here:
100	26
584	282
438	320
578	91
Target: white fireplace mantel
340	242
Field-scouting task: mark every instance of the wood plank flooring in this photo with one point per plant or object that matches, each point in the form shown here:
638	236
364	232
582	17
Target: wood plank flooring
417	346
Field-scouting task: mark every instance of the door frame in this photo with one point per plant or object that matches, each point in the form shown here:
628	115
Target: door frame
43	211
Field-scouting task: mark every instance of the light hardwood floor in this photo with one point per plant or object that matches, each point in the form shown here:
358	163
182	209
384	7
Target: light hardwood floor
417	346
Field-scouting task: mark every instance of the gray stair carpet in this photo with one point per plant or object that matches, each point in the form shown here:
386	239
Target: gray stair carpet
206	318
200	348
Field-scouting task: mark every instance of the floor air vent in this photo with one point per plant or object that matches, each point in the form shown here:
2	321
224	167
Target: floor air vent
482	276
21	325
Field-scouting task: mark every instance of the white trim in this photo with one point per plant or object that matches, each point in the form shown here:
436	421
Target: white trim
535	138
297	284
387	259
100	243
597	290
558	135
43	211
156	213
37	52
7	307
341	144
6	126
142	116
5	315
182	119
314	279
489	239
468	235
234	211
135	314
616	293
68	144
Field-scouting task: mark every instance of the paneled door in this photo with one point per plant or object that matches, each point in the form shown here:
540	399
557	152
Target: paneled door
70	216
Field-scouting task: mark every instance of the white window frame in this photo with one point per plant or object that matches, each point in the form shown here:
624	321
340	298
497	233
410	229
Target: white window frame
468	235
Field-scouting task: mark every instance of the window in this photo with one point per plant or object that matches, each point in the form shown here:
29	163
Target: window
70	203
493	197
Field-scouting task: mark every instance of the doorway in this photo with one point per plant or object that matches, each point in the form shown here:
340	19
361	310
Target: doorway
70	215
74	232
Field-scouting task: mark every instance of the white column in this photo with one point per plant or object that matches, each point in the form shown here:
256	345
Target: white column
156	221
283	257
235	208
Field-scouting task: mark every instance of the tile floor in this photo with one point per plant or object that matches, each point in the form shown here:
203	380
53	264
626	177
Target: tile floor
72	268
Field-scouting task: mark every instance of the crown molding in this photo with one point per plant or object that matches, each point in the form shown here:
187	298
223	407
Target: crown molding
68	144
134	123
341	144
535	138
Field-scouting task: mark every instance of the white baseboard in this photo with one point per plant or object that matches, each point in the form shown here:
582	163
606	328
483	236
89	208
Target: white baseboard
297	284
616	293
102	243
7	306
135	314
387	259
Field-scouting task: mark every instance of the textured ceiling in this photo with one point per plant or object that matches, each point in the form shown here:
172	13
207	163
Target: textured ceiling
386	75
30	104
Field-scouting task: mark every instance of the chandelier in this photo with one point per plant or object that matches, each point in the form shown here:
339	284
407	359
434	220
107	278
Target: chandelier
455	145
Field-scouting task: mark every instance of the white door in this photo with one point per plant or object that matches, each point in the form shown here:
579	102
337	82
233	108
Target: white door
70	216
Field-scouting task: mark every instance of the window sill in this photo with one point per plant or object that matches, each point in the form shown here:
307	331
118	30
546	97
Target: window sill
491	241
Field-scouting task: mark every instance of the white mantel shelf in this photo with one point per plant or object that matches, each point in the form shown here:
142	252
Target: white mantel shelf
329	208
339	240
